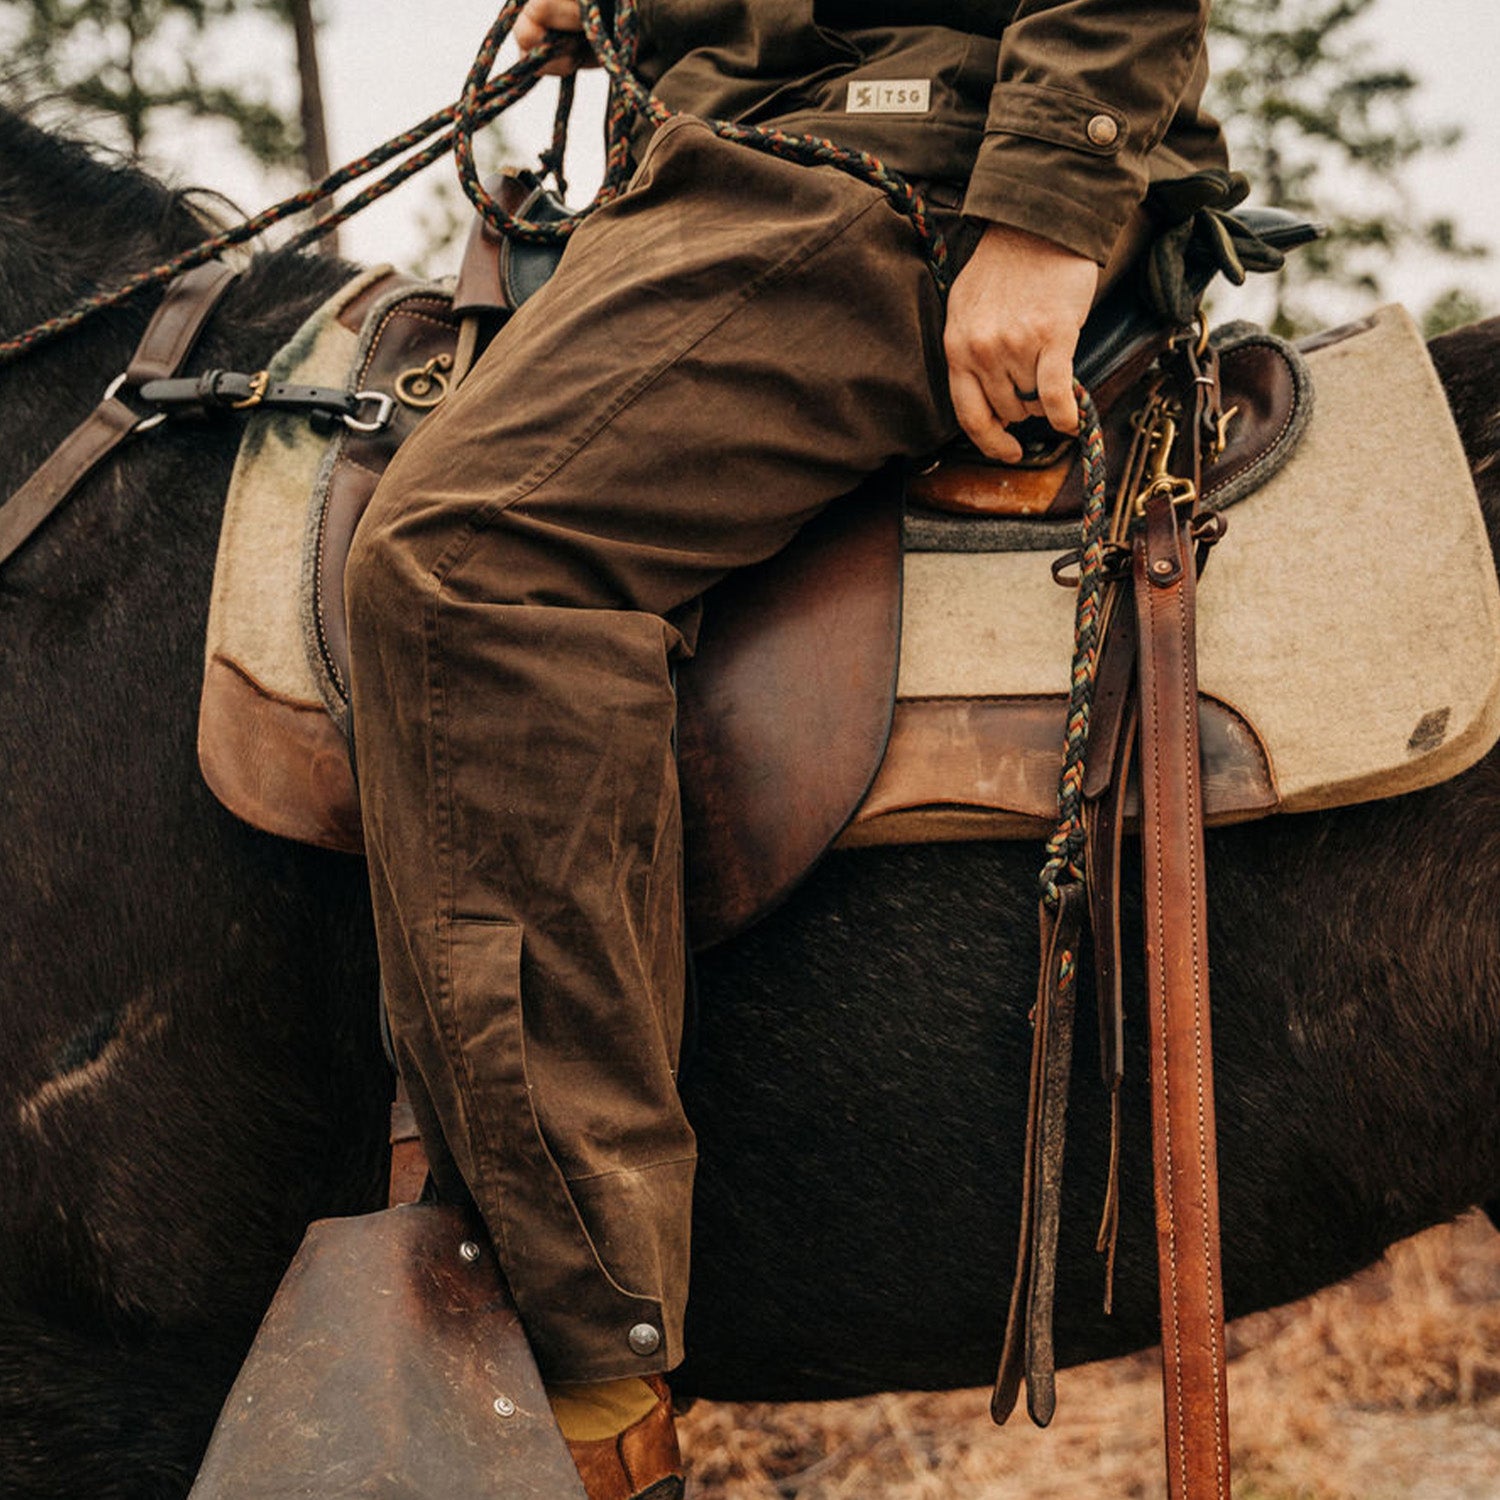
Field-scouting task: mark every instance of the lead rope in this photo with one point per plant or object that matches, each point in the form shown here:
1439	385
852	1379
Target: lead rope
452	129
632	102
496	98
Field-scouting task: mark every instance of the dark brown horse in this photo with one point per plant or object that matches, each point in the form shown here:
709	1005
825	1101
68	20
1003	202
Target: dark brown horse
191	1067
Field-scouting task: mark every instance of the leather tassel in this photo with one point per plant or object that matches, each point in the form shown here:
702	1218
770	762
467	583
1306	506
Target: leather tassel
1107	785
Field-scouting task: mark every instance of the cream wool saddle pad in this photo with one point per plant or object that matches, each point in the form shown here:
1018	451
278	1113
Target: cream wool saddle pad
1329	627
1327	622
266	744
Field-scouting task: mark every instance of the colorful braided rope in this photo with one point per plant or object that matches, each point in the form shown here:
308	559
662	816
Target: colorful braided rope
1065	849
631	102
490	102
453	129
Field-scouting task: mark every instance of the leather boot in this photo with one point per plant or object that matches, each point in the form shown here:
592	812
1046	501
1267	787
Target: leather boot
642	1463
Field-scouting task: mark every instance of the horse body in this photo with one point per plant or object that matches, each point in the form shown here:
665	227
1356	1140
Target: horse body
188	1012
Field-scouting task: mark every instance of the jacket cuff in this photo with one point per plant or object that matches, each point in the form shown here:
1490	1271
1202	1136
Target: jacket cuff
1057	164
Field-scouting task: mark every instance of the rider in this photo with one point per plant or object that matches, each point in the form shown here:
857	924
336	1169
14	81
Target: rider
726	348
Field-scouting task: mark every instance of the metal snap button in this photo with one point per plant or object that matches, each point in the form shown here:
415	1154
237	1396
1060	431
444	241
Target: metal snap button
644	1339
1103	130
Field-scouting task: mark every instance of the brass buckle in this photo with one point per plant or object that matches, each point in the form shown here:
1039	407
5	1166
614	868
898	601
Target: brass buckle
259	384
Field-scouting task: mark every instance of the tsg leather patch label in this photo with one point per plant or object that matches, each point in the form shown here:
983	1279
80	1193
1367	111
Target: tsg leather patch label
890	96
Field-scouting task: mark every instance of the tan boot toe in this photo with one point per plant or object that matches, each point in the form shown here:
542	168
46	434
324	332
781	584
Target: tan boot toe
642	1463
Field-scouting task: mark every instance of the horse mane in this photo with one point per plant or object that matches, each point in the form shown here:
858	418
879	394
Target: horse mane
74	216
76	220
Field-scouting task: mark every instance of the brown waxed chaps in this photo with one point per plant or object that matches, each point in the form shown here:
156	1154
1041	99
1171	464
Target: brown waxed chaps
724	350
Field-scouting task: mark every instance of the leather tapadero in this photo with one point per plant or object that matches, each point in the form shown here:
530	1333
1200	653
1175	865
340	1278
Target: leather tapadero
390	1366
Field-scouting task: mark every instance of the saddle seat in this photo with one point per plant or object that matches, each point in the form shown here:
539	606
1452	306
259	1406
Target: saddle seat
830	701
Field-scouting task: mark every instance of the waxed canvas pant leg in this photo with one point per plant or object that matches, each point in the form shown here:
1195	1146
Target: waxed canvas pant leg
727	348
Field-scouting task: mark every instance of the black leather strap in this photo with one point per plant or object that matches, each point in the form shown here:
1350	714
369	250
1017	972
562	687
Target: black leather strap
229	390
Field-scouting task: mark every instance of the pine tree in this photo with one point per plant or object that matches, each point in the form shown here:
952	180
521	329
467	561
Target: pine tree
312	118
142	70
1321	126
140	65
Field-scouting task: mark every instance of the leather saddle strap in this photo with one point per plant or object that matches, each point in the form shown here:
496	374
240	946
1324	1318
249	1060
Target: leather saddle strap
1028	1352
165	345
1112	743
1028	1348
1182	1107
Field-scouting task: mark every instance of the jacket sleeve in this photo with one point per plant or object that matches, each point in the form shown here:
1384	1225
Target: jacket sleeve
1086	91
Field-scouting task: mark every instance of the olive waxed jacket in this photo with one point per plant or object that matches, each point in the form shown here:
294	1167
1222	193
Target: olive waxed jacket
1050	115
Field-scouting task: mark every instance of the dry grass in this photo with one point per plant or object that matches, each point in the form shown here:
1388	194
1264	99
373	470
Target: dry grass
1386	1386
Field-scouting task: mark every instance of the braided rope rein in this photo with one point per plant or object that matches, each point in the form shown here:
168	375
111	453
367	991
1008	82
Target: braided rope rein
1065	849
496	98
632	101
452	129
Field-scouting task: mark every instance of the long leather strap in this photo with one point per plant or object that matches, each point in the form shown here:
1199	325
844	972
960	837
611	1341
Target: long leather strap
165	345
1182	1100
1107	782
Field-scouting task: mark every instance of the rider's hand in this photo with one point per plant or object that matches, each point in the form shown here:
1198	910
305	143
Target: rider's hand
538	17
1013	318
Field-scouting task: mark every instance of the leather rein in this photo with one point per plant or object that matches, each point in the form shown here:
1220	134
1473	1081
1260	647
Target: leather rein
1141	705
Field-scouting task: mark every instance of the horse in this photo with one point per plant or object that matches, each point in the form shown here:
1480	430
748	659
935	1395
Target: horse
189	1008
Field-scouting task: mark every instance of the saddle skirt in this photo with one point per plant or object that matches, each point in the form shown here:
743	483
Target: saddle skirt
831	702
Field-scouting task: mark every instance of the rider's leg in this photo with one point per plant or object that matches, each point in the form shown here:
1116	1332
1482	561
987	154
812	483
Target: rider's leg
725	350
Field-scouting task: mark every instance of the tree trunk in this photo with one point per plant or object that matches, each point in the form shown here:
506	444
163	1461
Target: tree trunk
314	124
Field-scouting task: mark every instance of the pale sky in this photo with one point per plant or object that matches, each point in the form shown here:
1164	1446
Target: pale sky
388	63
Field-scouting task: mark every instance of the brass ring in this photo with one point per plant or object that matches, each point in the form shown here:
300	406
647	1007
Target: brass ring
424	386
